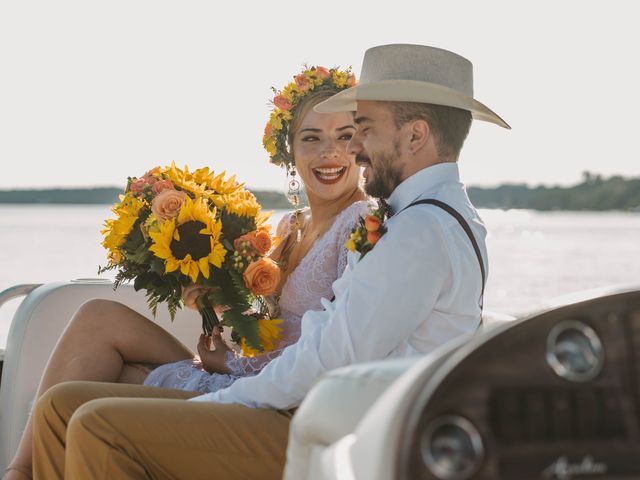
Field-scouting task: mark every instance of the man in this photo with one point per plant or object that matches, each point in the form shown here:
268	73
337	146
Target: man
419	287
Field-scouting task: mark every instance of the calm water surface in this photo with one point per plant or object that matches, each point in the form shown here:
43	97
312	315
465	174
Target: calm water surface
533	255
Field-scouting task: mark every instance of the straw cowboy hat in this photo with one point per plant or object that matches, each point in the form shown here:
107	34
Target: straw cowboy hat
413	73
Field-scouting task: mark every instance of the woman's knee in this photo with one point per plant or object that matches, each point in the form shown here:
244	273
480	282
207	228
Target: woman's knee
96	307
99	313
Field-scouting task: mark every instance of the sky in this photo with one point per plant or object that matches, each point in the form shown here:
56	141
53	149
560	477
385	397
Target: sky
93	92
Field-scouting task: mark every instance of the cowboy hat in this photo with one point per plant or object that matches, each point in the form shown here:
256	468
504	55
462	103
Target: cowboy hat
413	73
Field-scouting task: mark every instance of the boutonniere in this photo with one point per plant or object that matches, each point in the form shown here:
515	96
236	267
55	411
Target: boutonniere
367	232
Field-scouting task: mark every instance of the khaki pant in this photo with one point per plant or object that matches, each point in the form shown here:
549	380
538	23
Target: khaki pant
94	431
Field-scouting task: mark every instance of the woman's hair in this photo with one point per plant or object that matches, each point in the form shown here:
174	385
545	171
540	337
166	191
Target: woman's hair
304	107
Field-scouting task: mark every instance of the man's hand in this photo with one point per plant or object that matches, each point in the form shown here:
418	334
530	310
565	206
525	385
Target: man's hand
212	351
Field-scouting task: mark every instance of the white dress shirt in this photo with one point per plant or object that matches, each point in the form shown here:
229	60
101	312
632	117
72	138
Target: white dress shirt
417	289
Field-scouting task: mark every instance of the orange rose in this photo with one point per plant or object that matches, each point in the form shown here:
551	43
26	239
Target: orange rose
167	204
371	223
267	129
262	276
190	295
302	82
322	72
150	177
282	103
351	81
259	240
373	237
263	242
151	173
161	186
137	186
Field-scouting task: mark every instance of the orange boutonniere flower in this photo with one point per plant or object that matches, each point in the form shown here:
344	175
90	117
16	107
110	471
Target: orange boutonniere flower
367	232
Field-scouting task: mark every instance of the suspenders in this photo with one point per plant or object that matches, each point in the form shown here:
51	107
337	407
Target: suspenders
465	226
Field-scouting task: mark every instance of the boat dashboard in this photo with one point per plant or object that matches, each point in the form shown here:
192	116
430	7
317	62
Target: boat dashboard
552	396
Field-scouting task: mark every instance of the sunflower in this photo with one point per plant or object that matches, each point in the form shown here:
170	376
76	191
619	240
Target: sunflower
219	185
117	229
242	203
191	242
268	332
185	180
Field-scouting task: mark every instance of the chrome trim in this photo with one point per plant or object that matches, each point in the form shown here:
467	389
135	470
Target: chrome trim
17	291
476	443
592	337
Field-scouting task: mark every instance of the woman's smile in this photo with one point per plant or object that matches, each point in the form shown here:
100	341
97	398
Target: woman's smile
330	174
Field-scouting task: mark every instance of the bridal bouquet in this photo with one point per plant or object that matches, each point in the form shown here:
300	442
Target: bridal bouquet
175	229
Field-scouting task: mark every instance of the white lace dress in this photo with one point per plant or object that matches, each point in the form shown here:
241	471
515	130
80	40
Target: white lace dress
302	291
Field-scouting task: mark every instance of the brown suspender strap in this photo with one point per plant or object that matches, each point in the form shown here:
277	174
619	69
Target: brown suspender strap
465	226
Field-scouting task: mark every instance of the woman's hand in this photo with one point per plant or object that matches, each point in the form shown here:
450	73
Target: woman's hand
212	351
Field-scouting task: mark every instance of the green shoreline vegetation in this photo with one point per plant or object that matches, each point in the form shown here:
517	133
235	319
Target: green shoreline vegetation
593	193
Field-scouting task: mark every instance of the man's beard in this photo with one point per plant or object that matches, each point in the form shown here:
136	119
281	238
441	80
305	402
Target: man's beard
385	175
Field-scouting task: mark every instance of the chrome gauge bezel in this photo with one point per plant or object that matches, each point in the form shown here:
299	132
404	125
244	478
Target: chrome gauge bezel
469	429
594	340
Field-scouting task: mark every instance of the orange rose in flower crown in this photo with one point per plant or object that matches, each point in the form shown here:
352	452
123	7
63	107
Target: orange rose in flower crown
196	234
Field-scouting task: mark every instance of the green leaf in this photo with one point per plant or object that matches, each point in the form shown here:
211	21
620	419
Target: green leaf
233	226
244	325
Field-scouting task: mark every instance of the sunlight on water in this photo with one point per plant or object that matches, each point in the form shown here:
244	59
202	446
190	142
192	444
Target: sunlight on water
533	255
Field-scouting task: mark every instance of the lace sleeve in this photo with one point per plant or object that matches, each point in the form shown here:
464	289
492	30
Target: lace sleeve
357	210
284	225
242	366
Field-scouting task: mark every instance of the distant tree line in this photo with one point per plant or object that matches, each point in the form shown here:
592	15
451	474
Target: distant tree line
593	193
109	195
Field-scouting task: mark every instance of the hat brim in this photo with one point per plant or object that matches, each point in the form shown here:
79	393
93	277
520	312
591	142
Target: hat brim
408	91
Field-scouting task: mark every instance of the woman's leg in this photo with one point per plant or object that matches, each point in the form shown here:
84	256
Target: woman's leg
101	342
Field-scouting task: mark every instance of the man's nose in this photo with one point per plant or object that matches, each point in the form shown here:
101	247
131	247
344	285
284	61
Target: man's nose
354	147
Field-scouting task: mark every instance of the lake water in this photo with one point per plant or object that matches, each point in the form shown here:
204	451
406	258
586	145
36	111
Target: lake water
533	255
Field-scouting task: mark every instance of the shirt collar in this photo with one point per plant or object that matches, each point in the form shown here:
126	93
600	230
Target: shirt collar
423	182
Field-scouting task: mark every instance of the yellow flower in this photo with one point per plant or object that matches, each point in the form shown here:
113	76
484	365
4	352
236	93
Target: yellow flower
268	332
275	121
185	180
290	91
220	186
116	230
270	146
350	245
191	242
286	115
261	221
339	78
241	202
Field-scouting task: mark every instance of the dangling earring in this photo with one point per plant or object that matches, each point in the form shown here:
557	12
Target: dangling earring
293	195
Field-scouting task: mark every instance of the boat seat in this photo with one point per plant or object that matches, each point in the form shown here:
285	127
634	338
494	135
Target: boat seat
340	399
34	331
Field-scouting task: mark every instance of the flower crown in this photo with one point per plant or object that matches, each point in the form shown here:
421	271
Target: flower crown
286	100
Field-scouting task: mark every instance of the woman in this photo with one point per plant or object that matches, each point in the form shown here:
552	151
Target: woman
106	341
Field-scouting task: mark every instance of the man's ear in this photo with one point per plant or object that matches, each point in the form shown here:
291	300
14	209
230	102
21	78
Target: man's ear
420	135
